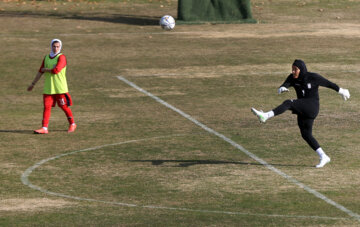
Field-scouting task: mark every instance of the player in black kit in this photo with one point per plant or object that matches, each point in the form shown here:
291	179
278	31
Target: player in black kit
306	106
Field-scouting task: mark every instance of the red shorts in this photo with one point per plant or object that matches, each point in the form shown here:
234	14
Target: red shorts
60	99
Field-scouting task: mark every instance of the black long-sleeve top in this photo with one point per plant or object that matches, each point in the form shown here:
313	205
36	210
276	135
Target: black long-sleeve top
307	84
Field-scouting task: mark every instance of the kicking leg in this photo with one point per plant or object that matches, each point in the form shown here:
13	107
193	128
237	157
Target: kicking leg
264	116
286	105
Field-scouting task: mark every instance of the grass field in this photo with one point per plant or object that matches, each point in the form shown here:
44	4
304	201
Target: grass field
135	162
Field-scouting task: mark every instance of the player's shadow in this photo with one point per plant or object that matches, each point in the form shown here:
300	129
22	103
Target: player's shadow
113	18
26	131
18	131
187	163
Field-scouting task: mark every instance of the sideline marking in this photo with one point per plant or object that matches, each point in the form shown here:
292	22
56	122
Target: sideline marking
239	147
26	174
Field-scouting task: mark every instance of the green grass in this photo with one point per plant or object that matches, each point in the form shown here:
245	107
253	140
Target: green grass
215	73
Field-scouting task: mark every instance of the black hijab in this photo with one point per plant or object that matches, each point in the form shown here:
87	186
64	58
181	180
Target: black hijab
302	66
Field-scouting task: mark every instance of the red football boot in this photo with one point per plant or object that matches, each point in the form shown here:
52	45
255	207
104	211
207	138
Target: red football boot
41	131
72	128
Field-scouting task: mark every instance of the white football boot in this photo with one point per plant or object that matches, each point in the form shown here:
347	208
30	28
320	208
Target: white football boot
260	114
323	161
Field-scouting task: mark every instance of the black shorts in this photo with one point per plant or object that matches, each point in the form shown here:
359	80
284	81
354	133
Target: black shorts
308	108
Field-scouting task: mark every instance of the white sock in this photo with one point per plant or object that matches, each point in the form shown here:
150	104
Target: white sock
320	152
44	128
270	114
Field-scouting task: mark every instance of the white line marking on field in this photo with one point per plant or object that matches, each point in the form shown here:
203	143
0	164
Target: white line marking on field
239	147
245	73
26	174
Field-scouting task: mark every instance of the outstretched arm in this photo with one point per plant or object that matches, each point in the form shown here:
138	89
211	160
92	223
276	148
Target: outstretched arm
321	81
326	83
37	78
284	87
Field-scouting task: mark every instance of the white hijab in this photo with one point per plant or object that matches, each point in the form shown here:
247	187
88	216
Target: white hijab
52	54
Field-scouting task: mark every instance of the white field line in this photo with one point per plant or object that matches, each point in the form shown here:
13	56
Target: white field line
285	73
25	180
239	147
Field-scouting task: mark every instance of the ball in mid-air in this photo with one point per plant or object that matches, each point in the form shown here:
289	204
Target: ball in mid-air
167	22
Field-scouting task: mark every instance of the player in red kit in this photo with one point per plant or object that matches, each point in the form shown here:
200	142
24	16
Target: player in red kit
55	87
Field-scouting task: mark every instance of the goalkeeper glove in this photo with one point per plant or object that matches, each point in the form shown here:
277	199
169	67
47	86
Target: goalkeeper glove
344	93
282	89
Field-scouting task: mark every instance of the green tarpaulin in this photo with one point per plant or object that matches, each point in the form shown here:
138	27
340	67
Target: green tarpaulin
214	10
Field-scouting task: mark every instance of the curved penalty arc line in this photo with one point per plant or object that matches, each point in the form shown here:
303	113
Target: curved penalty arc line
25	180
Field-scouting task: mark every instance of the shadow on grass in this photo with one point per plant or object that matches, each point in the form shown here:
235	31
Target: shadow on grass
27	131
112	18
187	163
18	131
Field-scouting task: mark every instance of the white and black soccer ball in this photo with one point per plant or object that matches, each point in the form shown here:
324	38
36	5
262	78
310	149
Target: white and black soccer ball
167	22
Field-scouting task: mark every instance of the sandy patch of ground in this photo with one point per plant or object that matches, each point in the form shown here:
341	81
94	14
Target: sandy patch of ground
32	204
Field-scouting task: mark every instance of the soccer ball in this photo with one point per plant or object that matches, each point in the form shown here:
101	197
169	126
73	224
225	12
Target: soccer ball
167	22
